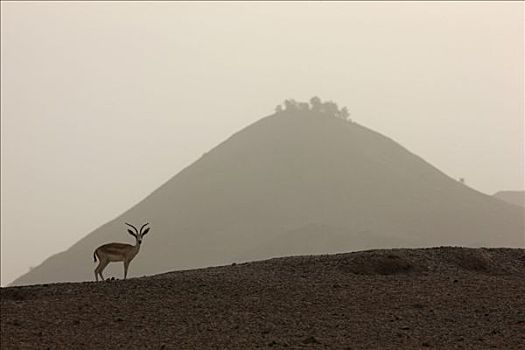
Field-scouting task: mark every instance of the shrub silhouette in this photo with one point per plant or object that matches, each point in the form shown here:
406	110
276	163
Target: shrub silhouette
316	105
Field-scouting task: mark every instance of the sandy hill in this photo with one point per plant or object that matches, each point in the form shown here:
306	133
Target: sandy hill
296	183
512	197
439	298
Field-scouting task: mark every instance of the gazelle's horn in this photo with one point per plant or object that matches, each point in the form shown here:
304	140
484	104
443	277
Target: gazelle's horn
146	224
132	227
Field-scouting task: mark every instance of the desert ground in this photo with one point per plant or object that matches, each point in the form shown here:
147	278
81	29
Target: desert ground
438	298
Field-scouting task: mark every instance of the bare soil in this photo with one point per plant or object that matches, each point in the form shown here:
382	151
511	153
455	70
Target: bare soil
439	298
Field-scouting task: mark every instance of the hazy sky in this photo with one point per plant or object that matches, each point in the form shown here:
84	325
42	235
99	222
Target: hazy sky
103	102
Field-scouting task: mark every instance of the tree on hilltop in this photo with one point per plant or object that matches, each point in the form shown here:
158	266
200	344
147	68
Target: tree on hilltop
328	108
303	106
316	104
345	114
290	105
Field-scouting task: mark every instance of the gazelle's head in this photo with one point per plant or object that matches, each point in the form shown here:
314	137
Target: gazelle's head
138	234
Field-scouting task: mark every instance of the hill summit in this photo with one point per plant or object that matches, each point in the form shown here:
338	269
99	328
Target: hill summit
304	180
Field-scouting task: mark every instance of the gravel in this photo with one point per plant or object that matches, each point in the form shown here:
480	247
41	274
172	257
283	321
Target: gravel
435	298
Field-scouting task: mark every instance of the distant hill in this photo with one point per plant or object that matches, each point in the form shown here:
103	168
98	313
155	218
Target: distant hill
512	197
438	298
295	182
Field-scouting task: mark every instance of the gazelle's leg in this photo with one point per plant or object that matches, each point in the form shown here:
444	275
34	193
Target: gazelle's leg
101	267
97	270
126	265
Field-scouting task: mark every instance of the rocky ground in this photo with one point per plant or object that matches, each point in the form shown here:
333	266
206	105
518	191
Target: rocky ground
440	298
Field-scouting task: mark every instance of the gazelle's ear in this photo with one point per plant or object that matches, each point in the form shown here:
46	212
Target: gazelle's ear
132	233
145	231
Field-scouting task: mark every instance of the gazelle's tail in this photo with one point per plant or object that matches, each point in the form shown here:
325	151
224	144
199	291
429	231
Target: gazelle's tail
95	256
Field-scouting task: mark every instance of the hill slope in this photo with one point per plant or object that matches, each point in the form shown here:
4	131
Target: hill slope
440	298
512	197
291	176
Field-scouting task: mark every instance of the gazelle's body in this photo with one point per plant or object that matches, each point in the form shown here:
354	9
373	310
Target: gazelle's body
114	252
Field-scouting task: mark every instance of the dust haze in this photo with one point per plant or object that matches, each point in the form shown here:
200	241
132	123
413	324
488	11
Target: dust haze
102	103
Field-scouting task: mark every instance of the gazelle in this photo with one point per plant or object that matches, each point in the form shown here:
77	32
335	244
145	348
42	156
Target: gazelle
113	252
